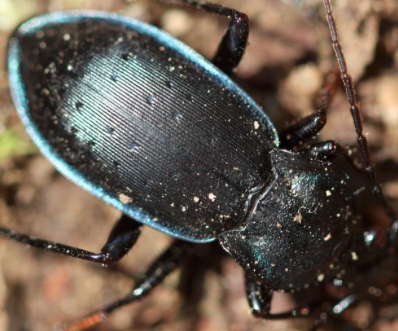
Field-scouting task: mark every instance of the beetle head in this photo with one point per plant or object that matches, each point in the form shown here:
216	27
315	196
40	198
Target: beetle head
298	227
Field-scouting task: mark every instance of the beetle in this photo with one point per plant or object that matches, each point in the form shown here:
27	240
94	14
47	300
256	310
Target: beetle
175	144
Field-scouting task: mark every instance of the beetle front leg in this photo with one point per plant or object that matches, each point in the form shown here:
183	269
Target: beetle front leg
259	297
121	239
234	42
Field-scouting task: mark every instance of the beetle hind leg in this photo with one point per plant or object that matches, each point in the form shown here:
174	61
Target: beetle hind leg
121	239
156	273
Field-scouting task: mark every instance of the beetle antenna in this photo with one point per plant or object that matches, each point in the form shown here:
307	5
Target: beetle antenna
357	117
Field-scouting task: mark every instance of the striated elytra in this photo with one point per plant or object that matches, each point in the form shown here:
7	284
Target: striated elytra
140	120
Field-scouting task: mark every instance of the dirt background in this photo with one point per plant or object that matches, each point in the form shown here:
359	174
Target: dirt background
289	52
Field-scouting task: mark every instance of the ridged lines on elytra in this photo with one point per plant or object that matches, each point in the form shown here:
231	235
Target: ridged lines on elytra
133	96
197	96
194	120
95	129
115	123
152	118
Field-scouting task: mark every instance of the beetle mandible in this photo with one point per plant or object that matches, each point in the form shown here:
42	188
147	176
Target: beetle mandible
195	157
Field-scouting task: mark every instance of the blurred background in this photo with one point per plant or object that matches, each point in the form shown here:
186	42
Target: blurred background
288	55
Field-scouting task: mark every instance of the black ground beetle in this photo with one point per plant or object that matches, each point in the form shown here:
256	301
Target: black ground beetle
143	122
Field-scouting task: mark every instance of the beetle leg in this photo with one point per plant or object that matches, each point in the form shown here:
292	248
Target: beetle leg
259	297
233	44
328	150
121	239
308	127
156	273
324	150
